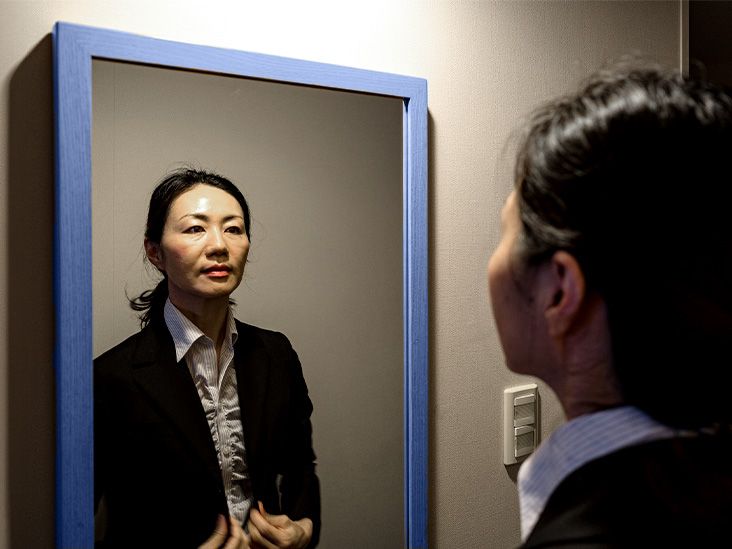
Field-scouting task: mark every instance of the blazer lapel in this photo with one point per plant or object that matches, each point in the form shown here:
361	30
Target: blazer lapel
171	389
252	375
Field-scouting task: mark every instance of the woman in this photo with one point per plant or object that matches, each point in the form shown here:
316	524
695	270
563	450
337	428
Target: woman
613	284
200	416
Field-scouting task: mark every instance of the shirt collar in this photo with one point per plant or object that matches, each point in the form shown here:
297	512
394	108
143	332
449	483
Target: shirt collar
185	333
574	444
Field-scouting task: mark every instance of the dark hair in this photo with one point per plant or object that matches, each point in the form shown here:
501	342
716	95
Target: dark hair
631	176
150	303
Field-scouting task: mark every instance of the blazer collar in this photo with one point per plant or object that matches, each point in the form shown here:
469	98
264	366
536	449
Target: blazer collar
252	363
170	387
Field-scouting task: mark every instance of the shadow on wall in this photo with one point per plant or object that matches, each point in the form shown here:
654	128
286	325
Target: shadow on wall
30	327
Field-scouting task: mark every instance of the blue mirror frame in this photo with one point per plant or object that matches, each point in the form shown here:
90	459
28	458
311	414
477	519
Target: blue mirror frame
74	47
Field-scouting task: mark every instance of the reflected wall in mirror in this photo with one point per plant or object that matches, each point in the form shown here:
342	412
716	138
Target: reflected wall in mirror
322	171
325	239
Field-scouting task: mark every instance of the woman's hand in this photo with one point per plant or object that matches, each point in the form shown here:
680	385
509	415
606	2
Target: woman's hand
278	531
223	537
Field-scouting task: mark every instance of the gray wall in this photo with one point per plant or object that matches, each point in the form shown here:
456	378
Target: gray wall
487	64
322	172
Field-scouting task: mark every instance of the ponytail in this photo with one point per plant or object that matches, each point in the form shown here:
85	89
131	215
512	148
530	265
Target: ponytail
150	303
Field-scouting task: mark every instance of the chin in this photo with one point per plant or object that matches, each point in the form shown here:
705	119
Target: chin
216	293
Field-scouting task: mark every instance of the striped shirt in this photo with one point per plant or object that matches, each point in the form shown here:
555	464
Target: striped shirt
217	389
576	443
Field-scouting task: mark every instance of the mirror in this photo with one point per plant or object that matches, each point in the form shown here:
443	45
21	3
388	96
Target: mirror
332	161
321	170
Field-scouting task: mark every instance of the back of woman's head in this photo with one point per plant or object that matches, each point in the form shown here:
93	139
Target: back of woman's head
631	176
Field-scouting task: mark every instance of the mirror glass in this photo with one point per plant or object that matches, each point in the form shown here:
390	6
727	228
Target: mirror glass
323	173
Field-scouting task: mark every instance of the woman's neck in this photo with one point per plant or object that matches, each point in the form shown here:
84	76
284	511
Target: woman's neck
583	376
596	389
209	315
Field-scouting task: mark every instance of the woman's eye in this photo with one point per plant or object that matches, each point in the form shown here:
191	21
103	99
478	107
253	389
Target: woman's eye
234	229
194	229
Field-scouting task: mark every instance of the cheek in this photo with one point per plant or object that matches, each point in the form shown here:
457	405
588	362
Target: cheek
496	273
500	300
506	303
176	257
241	254
491	270
499	295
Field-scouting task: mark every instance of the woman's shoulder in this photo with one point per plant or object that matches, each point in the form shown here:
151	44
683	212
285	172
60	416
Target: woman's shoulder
267	336
146	340
667	492
121	349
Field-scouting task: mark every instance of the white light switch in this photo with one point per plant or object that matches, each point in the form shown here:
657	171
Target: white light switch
520	422
524	441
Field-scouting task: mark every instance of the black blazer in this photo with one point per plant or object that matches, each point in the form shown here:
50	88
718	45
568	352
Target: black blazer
155	462
667	493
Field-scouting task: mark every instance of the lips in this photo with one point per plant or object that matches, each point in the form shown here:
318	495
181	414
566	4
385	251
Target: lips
217	270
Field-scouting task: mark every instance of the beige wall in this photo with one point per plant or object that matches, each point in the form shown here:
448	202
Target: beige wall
487	64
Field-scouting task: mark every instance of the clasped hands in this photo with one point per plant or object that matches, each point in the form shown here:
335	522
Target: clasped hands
265	532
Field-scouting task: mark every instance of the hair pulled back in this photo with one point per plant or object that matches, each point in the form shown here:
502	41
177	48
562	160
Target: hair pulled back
150	303
632	176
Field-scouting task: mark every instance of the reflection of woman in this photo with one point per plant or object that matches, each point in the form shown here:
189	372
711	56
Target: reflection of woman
613	284
199	415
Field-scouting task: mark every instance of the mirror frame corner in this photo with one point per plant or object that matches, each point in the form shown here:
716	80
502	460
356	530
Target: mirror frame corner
74	47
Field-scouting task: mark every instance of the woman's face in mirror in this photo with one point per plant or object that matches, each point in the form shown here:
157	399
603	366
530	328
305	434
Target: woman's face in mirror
203	248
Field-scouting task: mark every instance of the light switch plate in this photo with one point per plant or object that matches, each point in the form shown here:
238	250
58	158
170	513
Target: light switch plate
520	413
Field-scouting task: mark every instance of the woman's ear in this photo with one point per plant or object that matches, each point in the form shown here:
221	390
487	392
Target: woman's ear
154	254
565	290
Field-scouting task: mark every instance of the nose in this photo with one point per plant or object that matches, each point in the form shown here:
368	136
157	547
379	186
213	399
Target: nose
216	244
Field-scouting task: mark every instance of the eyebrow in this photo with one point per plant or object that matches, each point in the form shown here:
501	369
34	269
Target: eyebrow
204	217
